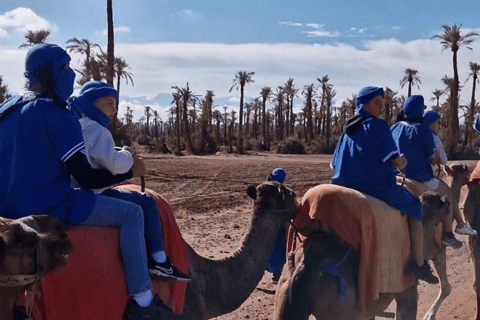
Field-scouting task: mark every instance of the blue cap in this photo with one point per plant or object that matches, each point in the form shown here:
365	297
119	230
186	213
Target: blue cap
278	174
365	95
430	117
413	107
94	90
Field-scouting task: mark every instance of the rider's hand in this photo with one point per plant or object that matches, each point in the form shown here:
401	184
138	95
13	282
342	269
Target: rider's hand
126	148
138	168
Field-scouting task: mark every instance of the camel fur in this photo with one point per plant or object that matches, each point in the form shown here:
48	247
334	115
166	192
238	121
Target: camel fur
305	289
18	250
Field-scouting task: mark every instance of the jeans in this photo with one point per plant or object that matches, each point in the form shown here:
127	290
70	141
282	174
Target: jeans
278	257
153	225
128	217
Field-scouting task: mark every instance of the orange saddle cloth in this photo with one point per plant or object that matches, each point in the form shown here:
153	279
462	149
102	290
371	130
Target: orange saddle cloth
376	230
93	285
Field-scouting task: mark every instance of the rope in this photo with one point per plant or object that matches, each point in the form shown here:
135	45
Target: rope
332	270
17	280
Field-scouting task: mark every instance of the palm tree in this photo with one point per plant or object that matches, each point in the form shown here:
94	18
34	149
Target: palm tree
351	105
309	92
278	97
120	68
265	94
452	39
186	96
437	93
208	108
389	101
410	77
148	114
474	70
241	79
291	93
329	95
84	47
176	100
4	96
324	85
35	37
110	44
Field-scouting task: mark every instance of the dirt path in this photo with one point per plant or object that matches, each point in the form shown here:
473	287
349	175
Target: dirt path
208	196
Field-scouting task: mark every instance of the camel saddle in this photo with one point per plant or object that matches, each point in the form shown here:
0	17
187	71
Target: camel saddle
377	231
93	285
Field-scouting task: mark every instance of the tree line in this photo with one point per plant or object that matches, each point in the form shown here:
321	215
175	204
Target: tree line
195	125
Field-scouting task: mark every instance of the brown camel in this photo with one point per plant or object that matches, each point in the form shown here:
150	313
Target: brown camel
26	255
304	289
221	286
472	215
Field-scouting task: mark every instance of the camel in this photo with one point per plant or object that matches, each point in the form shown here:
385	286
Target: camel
305	289
471	212
218	287
221	286
27	255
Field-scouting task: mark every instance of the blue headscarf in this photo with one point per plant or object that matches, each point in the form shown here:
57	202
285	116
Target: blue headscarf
365	95
430	117
82	105
278	174
412	110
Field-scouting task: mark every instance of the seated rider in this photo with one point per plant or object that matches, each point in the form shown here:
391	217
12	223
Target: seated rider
95	106
365	159
279	254
416	142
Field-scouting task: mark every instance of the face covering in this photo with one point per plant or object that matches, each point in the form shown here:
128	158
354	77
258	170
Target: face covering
64	80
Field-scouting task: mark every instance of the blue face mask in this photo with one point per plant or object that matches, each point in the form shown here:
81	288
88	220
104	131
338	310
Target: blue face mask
64	81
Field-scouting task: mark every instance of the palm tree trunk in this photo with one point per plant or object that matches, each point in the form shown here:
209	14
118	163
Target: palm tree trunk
110	43
264	122
187	128
240	123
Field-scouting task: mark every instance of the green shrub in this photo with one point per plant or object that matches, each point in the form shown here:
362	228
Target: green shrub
291	146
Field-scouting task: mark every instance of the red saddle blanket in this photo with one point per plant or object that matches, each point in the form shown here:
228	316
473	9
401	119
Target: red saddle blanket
376	230
93	285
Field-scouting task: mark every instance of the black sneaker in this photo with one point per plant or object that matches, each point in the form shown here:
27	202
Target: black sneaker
451	241
166	270
156	310
423	272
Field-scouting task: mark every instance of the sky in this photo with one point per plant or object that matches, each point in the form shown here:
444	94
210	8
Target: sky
204	43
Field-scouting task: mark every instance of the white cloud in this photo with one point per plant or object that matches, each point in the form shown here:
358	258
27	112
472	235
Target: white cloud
156	67
189	14
396	28
121	29
291	24
353	29
23	19
315	25
319	33
362	30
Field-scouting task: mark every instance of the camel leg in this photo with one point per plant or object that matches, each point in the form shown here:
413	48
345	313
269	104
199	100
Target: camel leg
472	215
440	262
407	302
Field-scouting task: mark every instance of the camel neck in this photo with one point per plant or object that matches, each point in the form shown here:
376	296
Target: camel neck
234	278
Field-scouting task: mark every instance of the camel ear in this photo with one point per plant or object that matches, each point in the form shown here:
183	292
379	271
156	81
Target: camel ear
448	170
252	192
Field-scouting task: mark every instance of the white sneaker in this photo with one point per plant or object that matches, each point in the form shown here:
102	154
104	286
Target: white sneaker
466	230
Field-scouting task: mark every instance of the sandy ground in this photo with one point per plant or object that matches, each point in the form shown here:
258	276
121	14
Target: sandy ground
208	196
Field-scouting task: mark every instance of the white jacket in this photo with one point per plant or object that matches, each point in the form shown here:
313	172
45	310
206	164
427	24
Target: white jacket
100	150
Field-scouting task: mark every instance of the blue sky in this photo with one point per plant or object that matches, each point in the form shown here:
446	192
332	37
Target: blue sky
205	43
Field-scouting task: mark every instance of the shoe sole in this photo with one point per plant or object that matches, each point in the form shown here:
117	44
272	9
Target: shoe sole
446	244
168	277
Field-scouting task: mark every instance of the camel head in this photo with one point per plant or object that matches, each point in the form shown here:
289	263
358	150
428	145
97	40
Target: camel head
435	207
20	244
272	197
458	172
